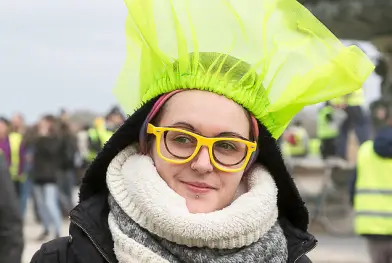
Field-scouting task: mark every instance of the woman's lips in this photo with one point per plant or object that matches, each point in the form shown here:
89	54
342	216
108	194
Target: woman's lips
198	188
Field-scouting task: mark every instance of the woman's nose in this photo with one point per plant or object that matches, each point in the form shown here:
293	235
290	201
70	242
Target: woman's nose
202	162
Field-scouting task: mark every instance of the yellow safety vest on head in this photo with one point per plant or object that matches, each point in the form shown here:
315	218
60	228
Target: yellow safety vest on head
373	197
326	129
15	140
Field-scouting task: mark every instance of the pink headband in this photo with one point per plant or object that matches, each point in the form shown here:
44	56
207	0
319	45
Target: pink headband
158	105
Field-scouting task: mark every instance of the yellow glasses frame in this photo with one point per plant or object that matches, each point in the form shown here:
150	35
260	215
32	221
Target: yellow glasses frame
201	141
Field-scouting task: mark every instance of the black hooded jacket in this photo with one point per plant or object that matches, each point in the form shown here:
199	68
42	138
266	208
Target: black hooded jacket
90	239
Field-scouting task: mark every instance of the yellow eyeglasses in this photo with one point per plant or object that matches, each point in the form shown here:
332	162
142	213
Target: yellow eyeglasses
180	146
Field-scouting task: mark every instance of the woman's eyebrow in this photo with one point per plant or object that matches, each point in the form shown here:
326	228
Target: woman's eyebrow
231	134
185	125
191	128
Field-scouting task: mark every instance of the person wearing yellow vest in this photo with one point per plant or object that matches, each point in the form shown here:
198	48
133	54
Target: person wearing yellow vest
356	119
12	148
328	121
296	140
98	136
102	131
371	193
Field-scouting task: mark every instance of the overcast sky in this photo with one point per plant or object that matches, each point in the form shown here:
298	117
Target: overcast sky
66	54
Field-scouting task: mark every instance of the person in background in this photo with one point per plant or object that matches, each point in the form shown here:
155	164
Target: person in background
371	193
66	180
356	119
18	123
296	140
13	150
100	133
102	130
29	140
114	119
11	226
378	111
19	129
329	120
45	172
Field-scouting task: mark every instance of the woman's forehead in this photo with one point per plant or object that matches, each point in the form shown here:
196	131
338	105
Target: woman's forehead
206	111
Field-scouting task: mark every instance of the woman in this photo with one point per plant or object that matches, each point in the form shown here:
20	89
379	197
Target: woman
195	174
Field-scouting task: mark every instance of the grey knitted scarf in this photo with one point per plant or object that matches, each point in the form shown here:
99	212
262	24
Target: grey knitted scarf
150	223
271	247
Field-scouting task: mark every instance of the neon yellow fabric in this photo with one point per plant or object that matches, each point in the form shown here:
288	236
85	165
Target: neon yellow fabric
272	57
326	129
373	198
314	147
15	140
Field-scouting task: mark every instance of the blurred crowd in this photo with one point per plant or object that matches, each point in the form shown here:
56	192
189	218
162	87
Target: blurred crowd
45	162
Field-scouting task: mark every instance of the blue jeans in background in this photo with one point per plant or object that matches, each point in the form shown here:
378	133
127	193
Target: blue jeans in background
24	195
66	183
48	206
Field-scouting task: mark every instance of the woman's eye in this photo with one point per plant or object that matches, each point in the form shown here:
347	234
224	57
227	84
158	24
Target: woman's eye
226	146
182	139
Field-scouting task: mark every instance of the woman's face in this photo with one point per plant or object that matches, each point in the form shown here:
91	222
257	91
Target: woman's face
209	115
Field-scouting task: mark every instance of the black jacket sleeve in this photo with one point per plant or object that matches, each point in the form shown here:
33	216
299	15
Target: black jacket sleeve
304	259
11	233
55	251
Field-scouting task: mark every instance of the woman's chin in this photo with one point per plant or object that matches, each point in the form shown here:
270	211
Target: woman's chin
196	206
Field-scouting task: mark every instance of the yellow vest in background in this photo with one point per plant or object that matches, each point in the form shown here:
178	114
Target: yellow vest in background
314	147
301	147
15	140
373	197
95	135
326	129
357	98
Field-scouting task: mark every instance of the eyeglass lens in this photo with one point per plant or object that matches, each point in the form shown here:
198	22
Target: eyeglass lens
179	145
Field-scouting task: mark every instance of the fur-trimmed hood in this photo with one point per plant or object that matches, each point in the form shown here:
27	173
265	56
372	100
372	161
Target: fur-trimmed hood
290	204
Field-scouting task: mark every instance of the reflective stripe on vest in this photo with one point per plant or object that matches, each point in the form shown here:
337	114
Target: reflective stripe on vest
15	140
373	197
326	129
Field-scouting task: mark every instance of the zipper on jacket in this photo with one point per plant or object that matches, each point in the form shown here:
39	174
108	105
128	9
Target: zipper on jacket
92	241
306	251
